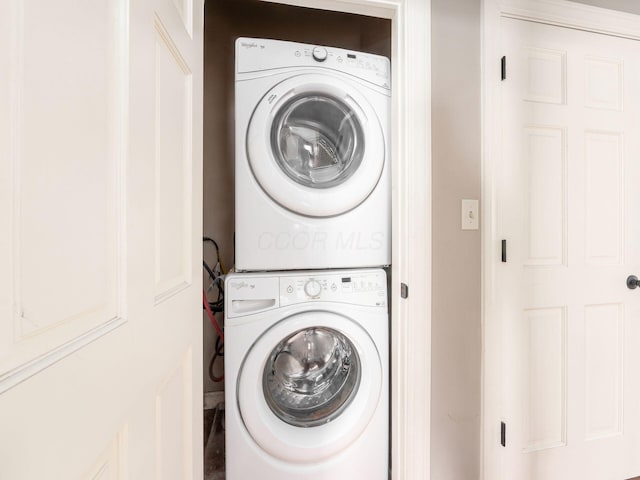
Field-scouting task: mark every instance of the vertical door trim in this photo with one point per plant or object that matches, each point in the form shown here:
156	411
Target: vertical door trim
411	231
560	13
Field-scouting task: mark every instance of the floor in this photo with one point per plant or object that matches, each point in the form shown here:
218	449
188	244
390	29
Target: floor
214	443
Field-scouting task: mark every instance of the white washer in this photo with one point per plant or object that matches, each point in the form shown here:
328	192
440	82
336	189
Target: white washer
312	157
306	375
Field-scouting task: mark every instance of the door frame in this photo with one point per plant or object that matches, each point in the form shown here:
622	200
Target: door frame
560	13
411	224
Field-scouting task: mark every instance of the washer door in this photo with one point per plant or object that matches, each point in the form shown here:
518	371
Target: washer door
309	386
315	145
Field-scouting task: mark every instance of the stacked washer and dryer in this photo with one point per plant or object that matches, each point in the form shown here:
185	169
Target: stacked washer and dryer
306	316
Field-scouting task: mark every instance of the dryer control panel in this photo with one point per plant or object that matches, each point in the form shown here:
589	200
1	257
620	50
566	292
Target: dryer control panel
257	55
368	288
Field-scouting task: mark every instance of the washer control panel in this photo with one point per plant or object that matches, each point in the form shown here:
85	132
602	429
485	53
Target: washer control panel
256	55
367	287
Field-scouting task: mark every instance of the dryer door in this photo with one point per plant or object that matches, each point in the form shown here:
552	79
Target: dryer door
315	145
309	386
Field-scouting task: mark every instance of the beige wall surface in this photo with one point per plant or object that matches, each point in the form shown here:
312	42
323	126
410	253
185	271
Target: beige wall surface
456	341
631	6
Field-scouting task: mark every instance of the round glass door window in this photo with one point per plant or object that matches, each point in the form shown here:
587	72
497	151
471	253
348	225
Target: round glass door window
317	140
311	376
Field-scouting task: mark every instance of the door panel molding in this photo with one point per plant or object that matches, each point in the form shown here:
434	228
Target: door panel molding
185	9
112	463
42	324
173	170
173	422
21	373
604	363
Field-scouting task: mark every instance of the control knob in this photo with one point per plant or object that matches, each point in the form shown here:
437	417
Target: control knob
320	54
312	288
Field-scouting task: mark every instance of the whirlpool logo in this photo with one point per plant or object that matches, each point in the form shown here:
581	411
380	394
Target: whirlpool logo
249	44
321	241
239	285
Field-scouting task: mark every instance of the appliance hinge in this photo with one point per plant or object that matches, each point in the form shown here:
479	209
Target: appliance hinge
504	251
503	434
503	68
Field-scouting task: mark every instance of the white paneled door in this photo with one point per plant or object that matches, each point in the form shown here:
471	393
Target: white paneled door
567	206
100	229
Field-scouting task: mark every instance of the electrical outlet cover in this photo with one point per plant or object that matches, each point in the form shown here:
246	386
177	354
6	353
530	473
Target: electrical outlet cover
470	215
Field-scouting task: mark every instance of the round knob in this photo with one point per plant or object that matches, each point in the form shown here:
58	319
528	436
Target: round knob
320	54
312	288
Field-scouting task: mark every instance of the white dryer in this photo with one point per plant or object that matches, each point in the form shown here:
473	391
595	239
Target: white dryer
312	157
306	372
